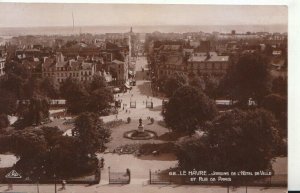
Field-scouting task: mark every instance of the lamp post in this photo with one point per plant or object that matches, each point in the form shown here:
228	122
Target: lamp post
37	185
55	183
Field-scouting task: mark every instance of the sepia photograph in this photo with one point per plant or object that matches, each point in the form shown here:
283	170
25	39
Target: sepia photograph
148	98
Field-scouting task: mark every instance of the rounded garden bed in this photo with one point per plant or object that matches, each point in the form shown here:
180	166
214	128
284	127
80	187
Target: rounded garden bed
137	135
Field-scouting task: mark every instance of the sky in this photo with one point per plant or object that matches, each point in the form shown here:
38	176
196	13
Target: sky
35	15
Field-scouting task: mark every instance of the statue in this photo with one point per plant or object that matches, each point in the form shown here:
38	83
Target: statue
141	127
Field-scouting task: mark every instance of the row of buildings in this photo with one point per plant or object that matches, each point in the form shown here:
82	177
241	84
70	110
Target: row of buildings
206	54
109	55
168	59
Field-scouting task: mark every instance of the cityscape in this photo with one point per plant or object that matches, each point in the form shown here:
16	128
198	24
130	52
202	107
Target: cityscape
191	107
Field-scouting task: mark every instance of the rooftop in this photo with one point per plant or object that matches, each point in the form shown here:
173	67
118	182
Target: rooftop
203	56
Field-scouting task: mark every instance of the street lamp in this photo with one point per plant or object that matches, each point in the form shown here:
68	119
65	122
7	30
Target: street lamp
55	183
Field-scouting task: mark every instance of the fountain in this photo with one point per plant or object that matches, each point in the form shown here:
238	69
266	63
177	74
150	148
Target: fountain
140	133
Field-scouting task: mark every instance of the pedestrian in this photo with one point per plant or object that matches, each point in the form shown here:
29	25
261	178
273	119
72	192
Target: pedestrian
102	162
63	185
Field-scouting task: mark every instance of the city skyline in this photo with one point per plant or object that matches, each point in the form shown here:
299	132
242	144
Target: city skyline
56	15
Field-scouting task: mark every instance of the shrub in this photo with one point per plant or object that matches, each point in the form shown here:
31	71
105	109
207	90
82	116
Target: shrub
128	120
152	120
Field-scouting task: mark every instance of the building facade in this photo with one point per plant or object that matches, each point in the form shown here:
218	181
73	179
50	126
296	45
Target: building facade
59	70
208	64
2	62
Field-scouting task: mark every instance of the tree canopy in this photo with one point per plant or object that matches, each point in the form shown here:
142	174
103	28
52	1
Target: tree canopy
91	133
4	122
235	140
8	102
174	82
188	109
35	112
44	152
93	97
277	104
249	78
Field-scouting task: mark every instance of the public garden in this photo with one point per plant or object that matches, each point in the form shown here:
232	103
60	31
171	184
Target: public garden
140	156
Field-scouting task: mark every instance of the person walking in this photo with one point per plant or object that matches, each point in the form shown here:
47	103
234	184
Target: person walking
63	184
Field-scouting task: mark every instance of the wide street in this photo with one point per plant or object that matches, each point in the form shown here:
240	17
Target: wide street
139	94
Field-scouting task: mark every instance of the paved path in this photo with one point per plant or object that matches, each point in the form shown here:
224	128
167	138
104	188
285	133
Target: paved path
139	94
138	188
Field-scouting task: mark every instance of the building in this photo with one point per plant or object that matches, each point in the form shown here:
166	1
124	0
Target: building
208	64
172	64
119	71
59	70
2	62
2	66
169	59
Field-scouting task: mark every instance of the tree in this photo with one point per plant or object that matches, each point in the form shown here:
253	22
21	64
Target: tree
98	82
49	89
100	96
30	146
99	100
174	82
249	78
91	133
75	94
279	86
234	141
8	102
277	104
35	112
4	122
44	151
188	109
32	87
197	82
17	76
211	87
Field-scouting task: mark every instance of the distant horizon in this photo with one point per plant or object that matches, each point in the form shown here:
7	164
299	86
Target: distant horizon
160	25
85	14
102	29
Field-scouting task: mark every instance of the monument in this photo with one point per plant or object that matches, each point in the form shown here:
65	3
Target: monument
141	126
140	133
